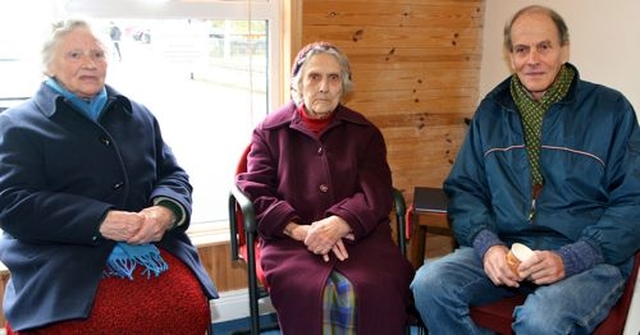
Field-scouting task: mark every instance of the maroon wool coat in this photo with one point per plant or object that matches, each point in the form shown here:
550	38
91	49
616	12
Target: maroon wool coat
294	175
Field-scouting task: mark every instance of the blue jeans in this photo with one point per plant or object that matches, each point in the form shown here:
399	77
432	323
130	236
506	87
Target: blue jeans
445	288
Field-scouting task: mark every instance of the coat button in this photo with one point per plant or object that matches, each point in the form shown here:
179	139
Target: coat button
320	150
117	185
323	188
105	141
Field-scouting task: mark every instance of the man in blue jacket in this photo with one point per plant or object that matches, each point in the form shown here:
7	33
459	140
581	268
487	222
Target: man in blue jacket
550	161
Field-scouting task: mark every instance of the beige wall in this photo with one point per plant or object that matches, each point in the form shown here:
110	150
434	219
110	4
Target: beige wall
605	41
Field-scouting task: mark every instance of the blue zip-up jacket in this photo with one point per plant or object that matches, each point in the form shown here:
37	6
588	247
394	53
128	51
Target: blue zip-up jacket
590	160
60	172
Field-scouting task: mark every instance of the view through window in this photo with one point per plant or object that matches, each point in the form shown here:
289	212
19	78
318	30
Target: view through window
205	80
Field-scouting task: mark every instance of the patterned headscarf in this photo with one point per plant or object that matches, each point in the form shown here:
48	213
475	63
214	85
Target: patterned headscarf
305	54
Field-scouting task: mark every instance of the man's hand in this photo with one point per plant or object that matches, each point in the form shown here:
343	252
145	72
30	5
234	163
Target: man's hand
497	269
544	267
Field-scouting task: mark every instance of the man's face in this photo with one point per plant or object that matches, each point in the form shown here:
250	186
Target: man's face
537	55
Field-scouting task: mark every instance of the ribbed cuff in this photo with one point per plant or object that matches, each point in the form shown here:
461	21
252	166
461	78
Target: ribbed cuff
578	257
175	207
484	240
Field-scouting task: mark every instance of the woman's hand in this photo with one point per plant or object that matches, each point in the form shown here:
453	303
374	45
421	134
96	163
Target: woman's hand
149	225
325	236
120	226
157	220
296	231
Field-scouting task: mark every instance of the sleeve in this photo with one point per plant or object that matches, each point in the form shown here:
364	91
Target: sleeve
172	188
617	232
466	186
260	182
371	202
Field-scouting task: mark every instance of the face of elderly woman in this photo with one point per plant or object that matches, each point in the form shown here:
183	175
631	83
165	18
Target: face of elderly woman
79	63
321	85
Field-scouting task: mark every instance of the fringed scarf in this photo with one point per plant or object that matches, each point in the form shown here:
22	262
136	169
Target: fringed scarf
532	113
124	257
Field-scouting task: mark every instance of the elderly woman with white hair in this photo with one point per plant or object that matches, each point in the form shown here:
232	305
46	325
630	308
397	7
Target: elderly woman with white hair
94	207
318	176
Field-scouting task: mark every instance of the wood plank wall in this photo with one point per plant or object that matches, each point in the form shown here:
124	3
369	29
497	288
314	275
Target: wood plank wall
416	66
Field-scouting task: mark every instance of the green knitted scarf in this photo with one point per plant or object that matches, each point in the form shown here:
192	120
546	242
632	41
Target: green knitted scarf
532	112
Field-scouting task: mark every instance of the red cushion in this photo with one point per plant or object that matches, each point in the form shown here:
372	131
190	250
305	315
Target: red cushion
497	316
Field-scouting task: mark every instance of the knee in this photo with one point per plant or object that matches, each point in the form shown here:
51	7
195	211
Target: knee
536	322
532	326
427	283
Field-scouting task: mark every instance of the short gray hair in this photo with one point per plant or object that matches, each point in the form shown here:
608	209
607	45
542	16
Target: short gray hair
59	30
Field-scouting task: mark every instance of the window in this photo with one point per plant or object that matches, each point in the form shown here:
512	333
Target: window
202	67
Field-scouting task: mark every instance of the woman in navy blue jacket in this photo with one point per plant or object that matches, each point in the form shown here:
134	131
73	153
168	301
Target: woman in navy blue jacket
94	207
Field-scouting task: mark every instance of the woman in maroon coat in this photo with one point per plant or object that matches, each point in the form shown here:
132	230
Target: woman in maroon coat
321	186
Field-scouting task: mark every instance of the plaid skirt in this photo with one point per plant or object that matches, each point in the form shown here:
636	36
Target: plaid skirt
172	303
339	306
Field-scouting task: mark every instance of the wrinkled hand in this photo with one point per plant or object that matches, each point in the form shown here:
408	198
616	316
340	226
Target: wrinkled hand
544	267
296	231
149	225
325	236
158	220
120	226
497	269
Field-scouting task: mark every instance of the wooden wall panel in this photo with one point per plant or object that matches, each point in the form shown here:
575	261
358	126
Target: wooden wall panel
416	67
226	274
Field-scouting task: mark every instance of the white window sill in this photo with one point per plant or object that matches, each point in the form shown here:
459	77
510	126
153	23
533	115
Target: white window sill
206	234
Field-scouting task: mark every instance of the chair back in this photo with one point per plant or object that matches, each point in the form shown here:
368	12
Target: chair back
243	227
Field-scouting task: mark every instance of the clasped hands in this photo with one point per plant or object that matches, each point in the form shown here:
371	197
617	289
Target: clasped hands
544	267
146	226
323	237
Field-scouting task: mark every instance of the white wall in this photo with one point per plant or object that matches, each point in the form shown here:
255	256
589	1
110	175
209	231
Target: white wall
604	37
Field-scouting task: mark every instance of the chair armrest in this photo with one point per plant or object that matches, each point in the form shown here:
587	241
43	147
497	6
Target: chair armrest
400	206
238	200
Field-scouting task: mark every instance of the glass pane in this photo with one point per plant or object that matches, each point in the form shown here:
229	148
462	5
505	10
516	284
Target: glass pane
20	70
205	80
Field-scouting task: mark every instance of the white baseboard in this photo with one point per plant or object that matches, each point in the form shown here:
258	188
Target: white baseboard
234	305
